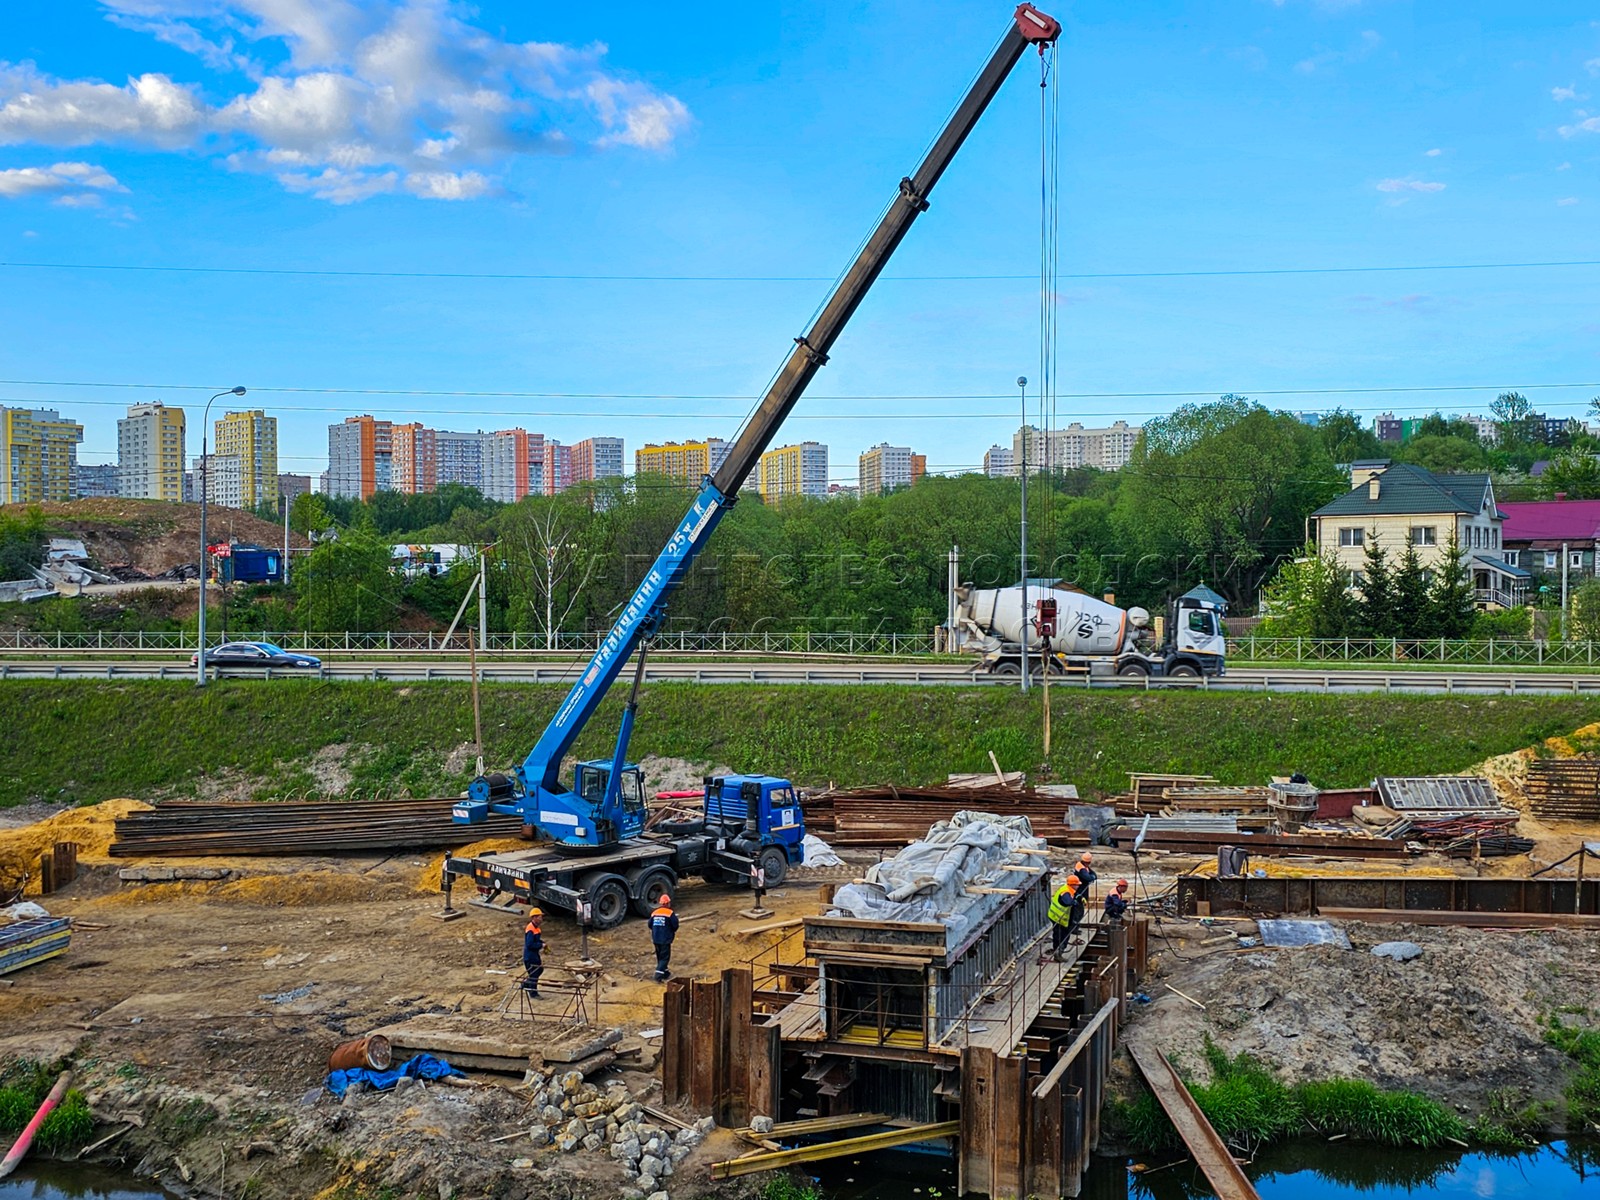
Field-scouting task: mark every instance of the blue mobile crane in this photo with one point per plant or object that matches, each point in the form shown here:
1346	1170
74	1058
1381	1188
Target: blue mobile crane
603	860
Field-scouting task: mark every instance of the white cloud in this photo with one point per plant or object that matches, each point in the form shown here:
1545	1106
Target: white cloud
66	181
1566	201
1409	185
1592	66
1432	153
346	99
150	110
1588	125
1370	40
1566	166
1560	94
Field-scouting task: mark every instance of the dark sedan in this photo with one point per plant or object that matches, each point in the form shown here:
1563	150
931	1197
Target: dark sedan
255	654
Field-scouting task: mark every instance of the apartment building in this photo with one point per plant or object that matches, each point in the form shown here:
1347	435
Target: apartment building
884	468
557	467
222	478
597	458
513	465
100	479
290	486
413	458
689	461
998	461
150	452
252	438
360	457
459	457
38	455
1105	449
798	470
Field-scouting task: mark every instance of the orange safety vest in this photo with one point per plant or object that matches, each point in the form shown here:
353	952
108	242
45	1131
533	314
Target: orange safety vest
533	927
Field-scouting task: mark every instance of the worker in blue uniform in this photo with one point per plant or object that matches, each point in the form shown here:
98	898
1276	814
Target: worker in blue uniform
663	928
533	952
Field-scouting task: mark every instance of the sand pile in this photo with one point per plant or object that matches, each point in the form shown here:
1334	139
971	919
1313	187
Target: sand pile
92	828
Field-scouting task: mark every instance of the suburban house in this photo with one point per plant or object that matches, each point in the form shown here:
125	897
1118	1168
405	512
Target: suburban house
1537	534
1392	502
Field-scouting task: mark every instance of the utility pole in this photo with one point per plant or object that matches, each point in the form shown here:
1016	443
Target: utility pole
549	597
285	540
1565	559
483	636
951	640
1022	474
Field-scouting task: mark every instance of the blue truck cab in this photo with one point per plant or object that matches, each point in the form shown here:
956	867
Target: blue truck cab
758	816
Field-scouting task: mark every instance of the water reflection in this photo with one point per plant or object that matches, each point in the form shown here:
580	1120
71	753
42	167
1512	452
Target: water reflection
41	1180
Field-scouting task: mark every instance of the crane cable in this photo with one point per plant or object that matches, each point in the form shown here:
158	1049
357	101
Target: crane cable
1049	267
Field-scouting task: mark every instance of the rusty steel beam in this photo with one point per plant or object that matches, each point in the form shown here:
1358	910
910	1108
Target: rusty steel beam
1475	920
1208	1150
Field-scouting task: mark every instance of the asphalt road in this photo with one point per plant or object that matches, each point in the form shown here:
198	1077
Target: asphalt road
856	672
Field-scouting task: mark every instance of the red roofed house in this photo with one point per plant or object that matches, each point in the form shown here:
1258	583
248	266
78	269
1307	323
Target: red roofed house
1537	532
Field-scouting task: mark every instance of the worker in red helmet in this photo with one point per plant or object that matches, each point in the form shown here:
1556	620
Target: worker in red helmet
1117	902
663	928
533	952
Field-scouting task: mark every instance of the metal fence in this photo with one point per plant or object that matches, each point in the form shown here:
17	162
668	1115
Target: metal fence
1250	648
400	642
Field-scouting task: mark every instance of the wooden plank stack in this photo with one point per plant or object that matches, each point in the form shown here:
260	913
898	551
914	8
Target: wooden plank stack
890	816
1565	789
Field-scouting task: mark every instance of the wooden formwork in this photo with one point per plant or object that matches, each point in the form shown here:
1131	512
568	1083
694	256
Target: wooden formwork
1028	1110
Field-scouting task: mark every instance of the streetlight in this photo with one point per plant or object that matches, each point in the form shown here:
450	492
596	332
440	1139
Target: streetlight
205	470
1022	474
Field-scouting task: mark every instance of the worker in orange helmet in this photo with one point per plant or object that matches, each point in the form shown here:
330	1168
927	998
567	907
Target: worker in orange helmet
1065	904
533	952
1085	871
663	928
1117	902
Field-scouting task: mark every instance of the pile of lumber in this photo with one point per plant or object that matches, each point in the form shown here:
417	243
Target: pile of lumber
325	827
1324	845
1147	792
1463	837
1566	789
890	816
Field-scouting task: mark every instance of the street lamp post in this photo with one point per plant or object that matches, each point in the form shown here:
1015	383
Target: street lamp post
1022	474
205	471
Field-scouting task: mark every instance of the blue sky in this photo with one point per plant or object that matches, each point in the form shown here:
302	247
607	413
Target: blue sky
760	142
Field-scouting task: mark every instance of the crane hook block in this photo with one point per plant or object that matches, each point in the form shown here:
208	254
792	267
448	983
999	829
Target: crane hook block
1035	26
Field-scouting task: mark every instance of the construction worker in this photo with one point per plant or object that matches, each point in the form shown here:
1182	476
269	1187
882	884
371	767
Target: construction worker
663	928
1117	902
1085	871
533	952
1063	903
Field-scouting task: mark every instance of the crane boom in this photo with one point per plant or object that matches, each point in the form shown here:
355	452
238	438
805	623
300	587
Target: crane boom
597	815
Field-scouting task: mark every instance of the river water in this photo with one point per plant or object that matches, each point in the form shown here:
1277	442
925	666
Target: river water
1308	1170
1295	1171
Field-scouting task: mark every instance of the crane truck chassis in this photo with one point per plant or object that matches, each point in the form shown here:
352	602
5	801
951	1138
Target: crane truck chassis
753	830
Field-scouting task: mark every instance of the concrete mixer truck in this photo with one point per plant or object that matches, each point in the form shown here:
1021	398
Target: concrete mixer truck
1089	635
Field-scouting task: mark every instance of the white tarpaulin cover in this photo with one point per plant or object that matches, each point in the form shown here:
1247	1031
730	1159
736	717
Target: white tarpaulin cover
928	880
819	854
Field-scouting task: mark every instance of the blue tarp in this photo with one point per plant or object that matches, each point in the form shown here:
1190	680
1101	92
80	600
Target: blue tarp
423	1066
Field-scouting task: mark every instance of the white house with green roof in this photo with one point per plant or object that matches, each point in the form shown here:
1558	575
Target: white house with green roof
1392	502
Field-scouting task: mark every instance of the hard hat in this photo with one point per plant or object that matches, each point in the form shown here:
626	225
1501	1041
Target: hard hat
665	900
1086	857
536	911
1122	885
1073	883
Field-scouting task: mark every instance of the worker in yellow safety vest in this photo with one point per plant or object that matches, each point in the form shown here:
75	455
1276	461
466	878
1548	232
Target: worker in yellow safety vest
1066	909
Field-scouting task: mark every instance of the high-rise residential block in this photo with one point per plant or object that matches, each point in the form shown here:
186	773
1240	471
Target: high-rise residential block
252	438
459	457
98	479
1105	449
798	470
690	461
360	457
38	455
221	477
513	465
557	467
414	457
997	461
884	468
597	458
150	452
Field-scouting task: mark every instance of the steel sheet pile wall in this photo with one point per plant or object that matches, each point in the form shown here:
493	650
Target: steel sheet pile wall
1312	894
1566	789
958	985
715	1056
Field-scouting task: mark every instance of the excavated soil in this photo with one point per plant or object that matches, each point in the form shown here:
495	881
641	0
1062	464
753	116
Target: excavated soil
155	535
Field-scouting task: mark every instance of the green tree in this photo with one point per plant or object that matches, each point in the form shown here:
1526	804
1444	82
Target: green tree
22	538
1444	454
1221	491
1346	439
1451	601
347	584
1309	597
1574	474
1586	611
1412	615
1375	610
309	513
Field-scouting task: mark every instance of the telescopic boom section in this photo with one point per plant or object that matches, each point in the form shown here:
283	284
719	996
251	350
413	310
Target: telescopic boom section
542	766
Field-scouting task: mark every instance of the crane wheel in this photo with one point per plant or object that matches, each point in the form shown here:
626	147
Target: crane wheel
776	865
649	890
608	900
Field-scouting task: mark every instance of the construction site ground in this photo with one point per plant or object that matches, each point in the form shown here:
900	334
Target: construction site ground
205	1010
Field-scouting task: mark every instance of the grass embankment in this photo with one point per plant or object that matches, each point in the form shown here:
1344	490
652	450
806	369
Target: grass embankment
68	1124
1250	1107
79	742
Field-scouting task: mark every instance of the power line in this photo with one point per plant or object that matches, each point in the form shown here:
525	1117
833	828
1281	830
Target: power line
575	277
